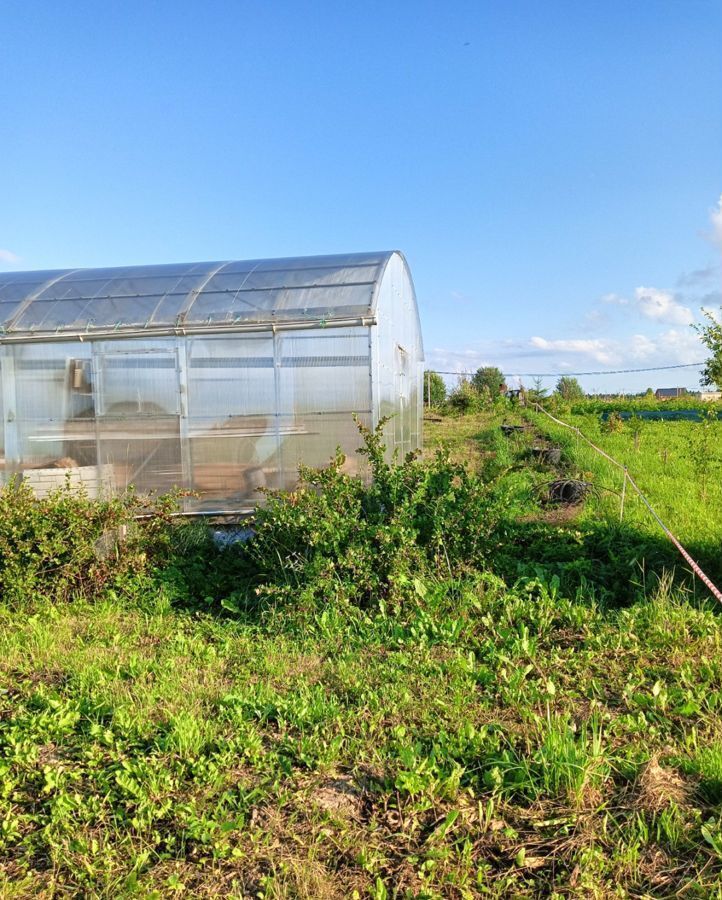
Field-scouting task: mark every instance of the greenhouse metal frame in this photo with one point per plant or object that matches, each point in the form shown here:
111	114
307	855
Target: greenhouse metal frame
216	378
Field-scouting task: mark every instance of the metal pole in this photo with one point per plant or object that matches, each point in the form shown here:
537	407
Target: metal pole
624	490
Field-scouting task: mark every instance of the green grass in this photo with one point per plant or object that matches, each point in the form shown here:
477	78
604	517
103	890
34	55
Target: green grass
677	465
508	730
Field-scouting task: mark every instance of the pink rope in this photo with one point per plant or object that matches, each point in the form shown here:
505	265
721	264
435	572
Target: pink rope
715	591
695	567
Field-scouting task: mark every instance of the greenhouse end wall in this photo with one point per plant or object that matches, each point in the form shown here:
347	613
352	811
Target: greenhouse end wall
398	360
222	415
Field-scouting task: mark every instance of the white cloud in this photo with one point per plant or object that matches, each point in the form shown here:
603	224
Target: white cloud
716	219
642	347
7	256
661	306
614	300
679	346
596	348
676	345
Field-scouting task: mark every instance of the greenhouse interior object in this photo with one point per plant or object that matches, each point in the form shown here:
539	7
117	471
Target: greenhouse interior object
218	378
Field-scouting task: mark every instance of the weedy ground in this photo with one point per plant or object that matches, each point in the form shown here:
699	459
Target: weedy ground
677	465
432	688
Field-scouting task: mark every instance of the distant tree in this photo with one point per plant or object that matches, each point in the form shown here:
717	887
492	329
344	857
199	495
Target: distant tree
538	393
569	389
434	388
488	378
711	336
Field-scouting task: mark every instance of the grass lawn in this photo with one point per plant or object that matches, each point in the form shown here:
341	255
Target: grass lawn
537	723
676	464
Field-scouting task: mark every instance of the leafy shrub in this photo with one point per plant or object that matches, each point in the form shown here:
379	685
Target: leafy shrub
466	399
704	450
65	543
614	423
338	536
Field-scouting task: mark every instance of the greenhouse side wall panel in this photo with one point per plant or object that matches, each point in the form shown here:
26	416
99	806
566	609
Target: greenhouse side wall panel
232	422
53	410
324	380
138	413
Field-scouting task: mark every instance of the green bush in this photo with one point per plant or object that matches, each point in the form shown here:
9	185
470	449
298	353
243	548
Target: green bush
466	399
336	535
65	544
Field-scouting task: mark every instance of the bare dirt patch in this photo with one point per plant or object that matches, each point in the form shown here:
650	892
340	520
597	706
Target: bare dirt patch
339	796
658	786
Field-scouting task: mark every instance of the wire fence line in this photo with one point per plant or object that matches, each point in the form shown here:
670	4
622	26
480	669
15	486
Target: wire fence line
696	568
696	365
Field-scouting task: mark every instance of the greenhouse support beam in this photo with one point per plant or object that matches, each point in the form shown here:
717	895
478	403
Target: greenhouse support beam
181	331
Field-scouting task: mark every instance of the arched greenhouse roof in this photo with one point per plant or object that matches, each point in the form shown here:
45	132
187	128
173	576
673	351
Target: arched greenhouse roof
179	296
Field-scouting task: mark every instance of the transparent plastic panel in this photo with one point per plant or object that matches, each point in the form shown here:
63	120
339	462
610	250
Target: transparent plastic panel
324	378
230	377
261	291
229	470
137	378
312	440
95	298
324	371
294	274
149	458
138	413
82	314
232	426
17	288
280	304
387	386
53	422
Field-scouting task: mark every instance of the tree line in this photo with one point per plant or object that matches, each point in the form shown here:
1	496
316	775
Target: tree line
486	384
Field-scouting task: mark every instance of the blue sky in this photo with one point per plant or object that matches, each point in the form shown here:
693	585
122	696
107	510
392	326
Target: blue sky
551	170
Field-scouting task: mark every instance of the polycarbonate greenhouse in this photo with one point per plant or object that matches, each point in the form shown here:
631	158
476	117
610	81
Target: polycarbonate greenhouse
220	378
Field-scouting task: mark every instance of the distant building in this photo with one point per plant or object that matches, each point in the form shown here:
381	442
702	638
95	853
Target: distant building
710	396
670	393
